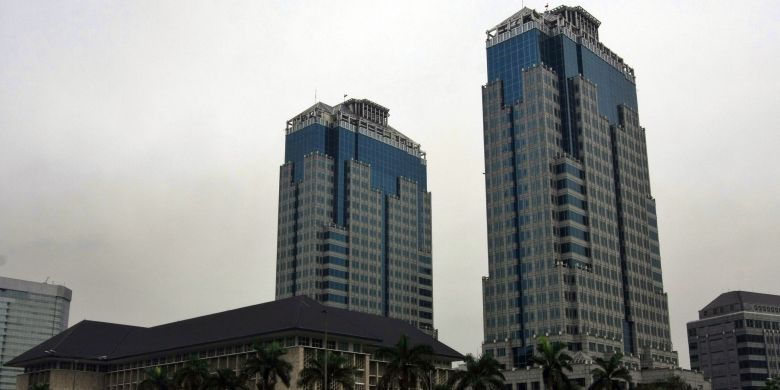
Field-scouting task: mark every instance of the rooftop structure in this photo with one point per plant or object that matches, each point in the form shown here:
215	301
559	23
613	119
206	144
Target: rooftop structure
359	115
736	301
573	22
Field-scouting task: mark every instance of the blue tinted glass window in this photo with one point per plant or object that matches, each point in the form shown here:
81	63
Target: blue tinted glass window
506	59
336	236
572	200
335	260
335	298
337	249
335	285
571	185
570	247
571	231
302	142
336	273
570	169
569	215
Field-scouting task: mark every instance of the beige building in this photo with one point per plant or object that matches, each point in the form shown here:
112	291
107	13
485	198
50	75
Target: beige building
530	377
104	356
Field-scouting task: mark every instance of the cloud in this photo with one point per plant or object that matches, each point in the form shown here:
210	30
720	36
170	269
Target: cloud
140	142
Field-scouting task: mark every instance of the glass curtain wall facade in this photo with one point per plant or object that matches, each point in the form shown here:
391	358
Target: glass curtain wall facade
572	230
30	313
355	214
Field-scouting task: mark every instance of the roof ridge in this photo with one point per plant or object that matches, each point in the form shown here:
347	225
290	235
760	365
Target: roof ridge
300	311
213	314
67	333
111	323
122	340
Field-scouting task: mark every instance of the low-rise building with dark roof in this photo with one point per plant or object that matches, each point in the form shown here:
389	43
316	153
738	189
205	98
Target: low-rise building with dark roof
105	356
736	340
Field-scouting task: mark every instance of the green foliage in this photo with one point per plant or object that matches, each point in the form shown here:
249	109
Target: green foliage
157	378
40	386
772	384
340	372
406	365
480	374
674	382
267	365
193	375
226	379
554	360
609	374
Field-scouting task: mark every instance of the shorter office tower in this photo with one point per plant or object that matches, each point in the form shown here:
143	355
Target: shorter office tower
104	356
736	340
30	312
355	214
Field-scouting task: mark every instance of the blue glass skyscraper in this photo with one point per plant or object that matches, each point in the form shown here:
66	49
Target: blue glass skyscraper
572	229
355	214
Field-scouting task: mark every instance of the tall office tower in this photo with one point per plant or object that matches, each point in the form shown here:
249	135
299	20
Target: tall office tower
30	313
355	214
572	231
736	340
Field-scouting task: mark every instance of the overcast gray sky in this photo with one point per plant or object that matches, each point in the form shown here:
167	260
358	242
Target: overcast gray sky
140	142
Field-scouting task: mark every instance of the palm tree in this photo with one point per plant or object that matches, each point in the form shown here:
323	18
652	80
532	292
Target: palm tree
193	375
672	383
405	364
553	359
226	379
429	381
609	375
156	379
268	364
340	372
480	374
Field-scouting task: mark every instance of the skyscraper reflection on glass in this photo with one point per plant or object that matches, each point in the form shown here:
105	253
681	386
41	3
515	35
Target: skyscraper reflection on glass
572	228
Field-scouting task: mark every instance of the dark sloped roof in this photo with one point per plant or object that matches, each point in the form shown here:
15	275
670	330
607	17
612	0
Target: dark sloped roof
90	340
732	297
85	340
